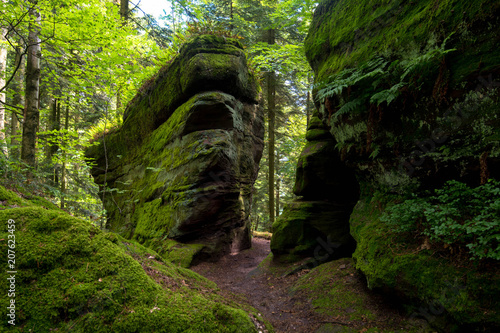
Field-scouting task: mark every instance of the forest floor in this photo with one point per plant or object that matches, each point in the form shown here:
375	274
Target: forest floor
331	298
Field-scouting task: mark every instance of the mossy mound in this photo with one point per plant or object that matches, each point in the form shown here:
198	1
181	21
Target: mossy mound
454	298
9	199
312	229
334	289
71	276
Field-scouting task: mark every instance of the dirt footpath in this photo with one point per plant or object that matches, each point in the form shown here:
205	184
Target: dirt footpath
241	279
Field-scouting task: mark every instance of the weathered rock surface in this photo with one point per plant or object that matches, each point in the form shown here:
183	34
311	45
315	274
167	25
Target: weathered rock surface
182	166
317	225
410	93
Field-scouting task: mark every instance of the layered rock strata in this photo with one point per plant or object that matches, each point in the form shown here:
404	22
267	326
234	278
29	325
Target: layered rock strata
181	167
317	224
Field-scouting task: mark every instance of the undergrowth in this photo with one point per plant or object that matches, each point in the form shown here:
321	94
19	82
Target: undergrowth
456	216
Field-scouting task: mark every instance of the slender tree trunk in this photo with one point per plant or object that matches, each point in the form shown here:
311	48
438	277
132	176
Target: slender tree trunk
278	180
32	112
231	15
17	100
3	72
54	125
64	168
52	146
271	112
124	16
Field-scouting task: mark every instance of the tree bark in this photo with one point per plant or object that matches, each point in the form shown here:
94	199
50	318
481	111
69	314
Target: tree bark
32	91
3	72
17	100
64	168
124	10
271	112
277	185
231	15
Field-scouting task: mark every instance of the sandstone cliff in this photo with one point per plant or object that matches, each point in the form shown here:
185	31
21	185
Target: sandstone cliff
409	92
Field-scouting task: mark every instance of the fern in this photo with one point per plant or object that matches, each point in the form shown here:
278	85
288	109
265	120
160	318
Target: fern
351	77
387	95
427	58
378	80
349	107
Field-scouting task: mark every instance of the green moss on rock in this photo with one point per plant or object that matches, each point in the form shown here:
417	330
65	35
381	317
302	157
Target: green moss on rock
9	199
344	34
72	276
318	134
306	226
454	298
182	165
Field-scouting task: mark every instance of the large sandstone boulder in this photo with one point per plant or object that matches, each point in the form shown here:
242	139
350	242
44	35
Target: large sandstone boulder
182	166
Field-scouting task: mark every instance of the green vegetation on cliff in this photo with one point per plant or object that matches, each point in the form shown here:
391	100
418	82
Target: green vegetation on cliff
346	34
439	286
409	90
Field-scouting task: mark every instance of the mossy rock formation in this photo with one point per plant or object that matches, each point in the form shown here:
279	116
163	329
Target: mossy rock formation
404	86
409	90
71	276
180	170
317	225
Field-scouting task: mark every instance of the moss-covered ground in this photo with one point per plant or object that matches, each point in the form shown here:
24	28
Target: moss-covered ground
331	297
338	293
71	276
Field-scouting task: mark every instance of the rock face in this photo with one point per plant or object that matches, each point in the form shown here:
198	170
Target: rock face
317	225
182	166
410	93
406	88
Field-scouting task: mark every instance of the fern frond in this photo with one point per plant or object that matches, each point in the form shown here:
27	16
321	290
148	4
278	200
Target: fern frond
349	107
387	95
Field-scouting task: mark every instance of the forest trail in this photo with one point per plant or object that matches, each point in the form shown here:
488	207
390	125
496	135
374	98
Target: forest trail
267	289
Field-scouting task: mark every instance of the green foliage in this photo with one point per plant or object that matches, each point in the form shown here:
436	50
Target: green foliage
378	80
456	215
358	92
346	33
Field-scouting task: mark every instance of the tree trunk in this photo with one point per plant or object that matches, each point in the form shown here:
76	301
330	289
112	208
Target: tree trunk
124	11
271	112
124	16
231	15
64	169
17	100
3	72
277	185
32	112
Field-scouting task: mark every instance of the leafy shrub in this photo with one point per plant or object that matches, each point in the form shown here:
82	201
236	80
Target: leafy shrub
456	215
